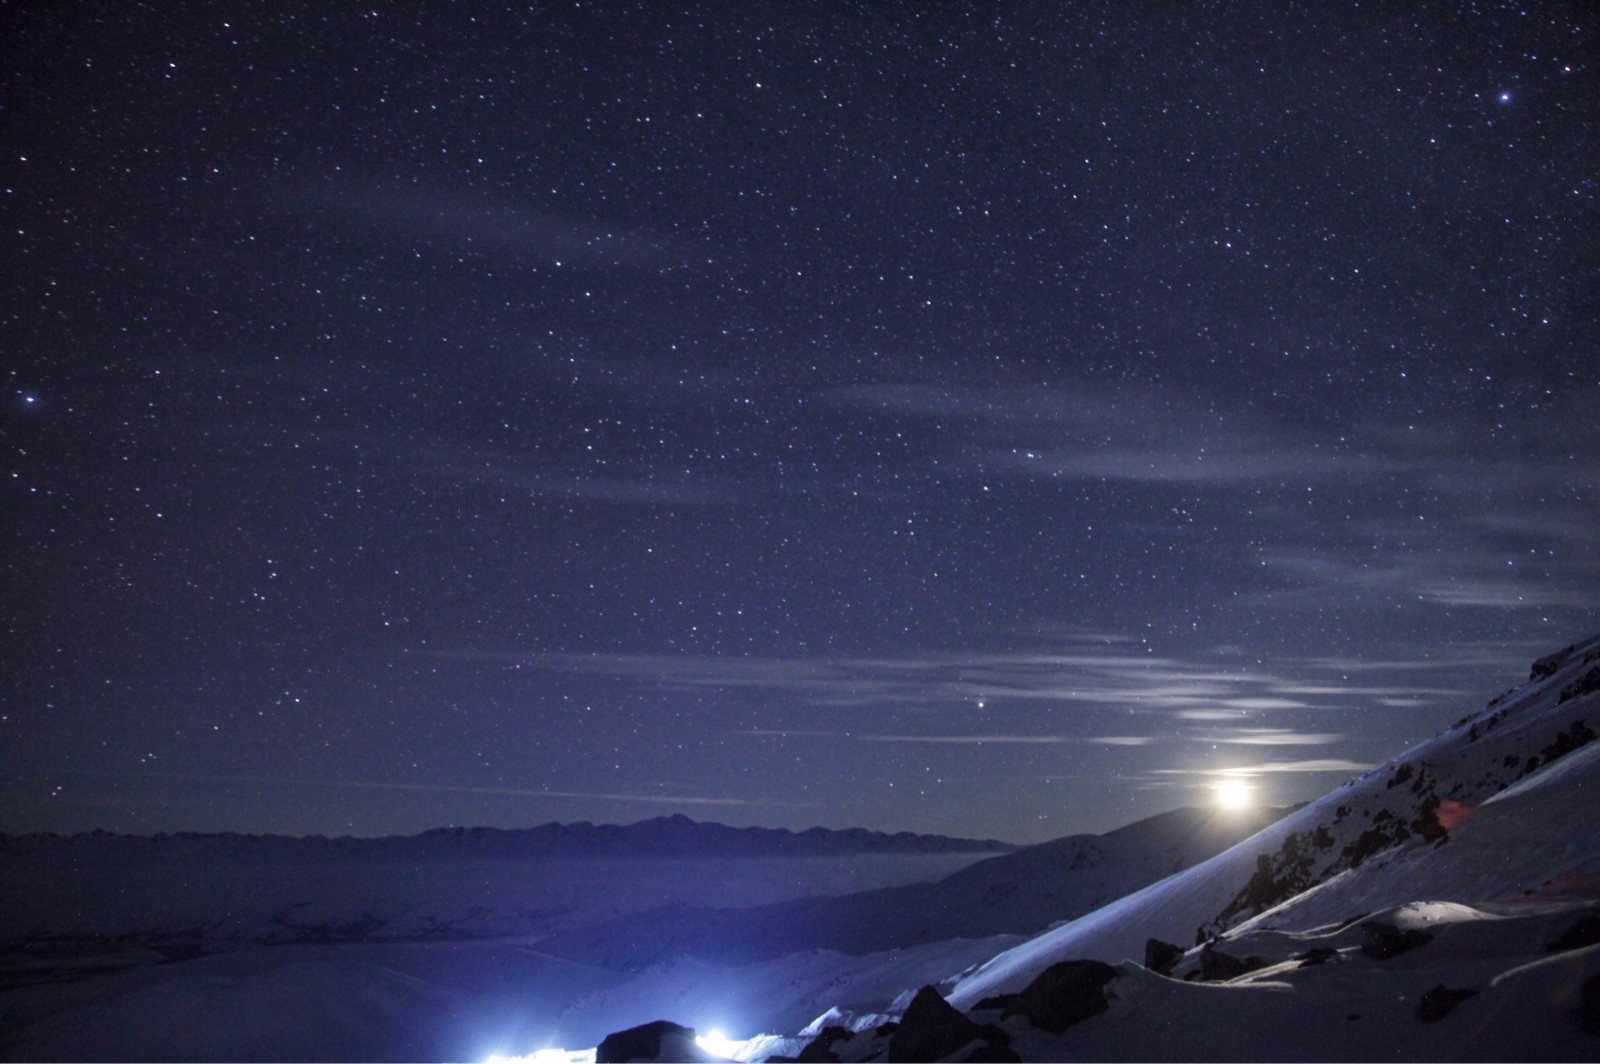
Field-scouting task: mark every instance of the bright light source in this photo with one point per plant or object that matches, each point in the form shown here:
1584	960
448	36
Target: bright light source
548	1055
1233	794
717	1044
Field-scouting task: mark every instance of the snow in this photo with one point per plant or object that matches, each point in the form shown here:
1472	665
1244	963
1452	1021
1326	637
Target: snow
1352	1007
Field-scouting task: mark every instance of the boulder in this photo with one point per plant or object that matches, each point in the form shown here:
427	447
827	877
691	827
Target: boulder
1060	996
1161	957
1589	1005
933	1029
1586	932
1217	966
660	1040
1315	956
1382	941
1436	1004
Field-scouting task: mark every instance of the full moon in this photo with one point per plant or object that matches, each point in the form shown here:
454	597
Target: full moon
1233	794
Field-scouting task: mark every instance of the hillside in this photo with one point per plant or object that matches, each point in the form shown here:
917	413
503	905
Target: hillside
1446	818
1016	893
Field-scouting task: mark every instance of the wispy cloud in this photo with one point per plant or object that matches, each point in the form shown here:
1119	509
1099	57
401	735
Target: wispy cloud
1270	737
510	472
968	740
1480	574
1366	516
1098	433
1093	677
1330	764
509	228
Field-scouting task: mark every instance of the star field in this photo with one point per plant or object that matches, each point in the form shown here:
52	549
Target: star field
1005	422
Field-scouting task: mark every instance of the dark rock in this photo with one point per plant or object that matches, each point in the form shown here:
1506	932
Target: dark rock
1161	957
1060	996
1313	957
1550	664
990	1053
1428	824
1589	1005
660	1040
1585	684
1381	941
1437	1003
933	1029
820	1049
1217	966
1586	932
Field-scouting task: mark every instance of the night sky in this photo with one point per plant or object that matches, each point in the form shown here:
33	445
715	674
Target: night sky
994	420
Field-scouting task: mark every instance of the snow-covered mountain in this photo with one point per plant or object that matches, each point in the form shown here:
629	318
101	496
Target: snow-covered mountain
1494	808
1445	905
1012	894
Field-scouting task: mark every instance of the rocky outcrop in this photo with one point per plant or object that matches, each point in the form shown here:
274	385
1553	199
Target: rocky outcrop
1436	1004
1382	941
1586	932
1218	967
1589	1005
1161	957
660	1040
1063	994
933	1029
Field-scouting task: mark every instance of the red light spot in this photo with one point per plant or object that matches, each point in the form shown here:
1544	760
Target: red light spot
1452	812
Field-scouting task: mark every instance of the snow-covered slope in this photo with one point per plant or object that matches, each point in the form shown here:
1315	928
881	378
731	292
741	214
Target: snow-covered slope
1485	986
1498	807
1445	906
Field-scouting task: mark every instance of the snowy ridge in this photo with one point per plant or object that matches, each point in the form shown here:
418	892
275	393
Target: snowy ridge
1393	833
1017	893
1378	834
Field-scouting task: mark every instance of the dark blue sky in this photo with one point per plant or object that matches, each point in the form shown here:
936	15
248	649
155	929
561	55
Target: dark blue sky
904	416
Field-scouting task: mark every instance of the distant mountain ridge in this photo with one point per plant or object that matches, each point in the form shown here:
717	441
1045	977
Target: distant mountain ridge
198	890
1022	892
661	837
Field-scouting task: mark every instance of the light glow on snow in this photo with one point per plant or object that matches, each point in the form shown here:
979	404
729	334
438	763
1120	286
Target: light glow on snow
550	1055
717	1044
1233	793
